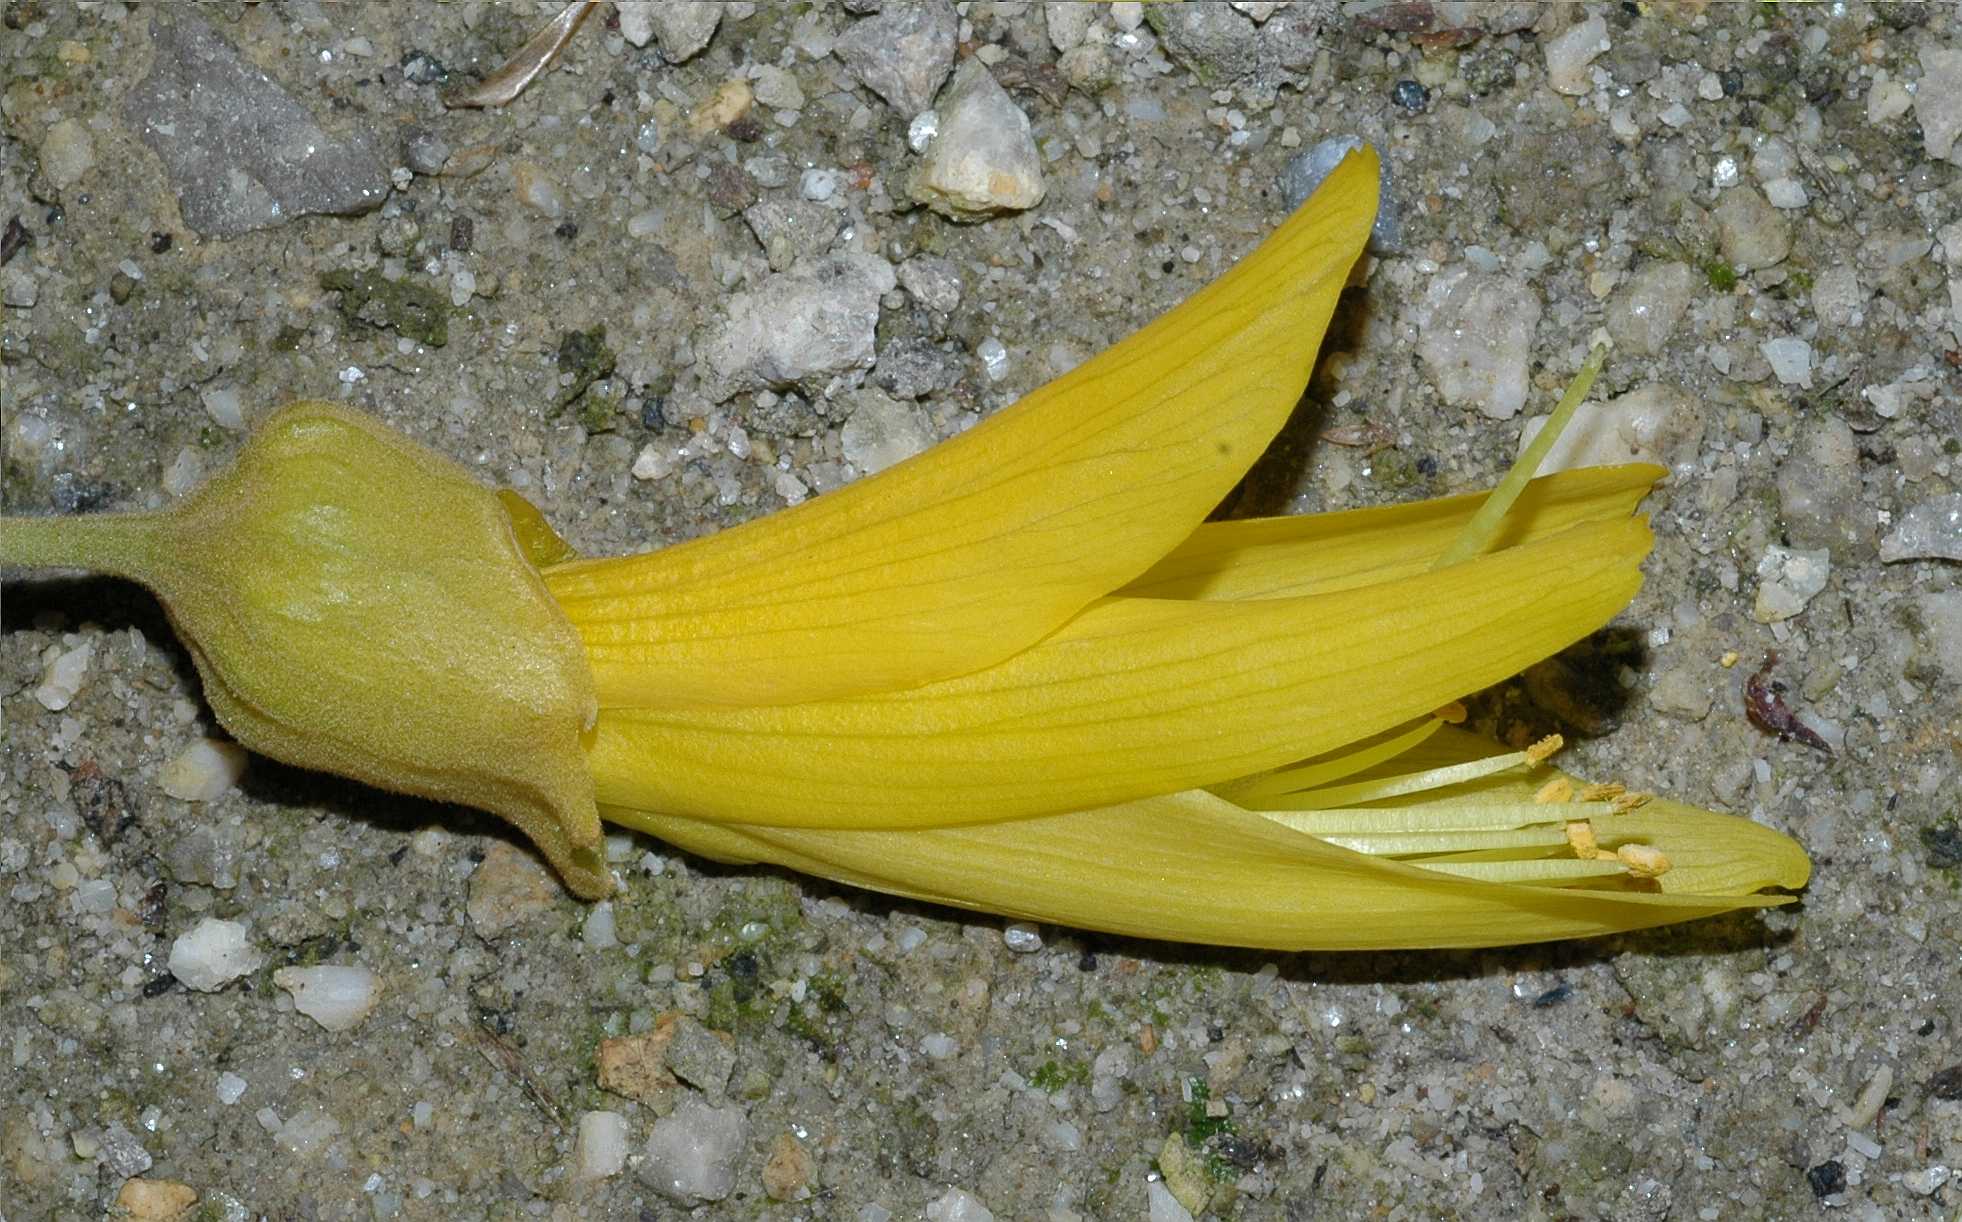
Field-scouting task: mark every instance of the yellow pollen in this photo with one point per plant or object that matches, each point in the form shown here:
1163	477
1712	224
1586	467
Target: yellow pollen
1602	791
1452	714
1580	836
1728	660
1642	860
1631	801
1555	791
1542	750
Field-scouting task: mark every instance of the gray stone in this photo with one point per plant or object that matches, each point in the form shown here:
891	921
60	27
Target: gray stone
683	27
241	153
916	368
791	229
1940	621
1306	170
123	1152
1751	233
1680	693
1645	313
21	290
1821	499
883	431
1067	24
777	89
933	281
424	151
700	1057
1788	579
799	327
1213	41
904	53
1569	53
1931	530
984	161
67	153
1938	101
1478	339
692	1152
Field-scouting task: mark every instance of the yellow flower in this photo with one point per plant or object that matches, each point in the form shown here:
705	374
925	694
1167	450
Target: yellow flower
1017	673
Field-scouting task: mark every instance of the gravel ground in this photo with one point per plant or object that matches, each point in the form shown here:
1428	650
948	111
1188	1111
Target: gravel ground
674	286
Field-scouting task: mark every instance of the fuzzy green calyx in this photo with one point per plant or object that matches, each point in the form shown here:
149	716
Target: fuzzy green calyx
357	604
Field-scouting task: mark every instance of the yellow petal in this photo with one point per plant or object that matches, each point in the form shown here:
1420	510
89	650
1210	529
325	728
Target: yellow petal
1133	697
1315	553
959	557
1192	867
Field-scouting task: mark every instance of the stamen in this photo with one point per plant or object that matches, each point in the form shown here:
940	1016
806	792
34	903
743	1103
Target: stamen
1580	834
1452	714
1643	860
1543	750
1602	791
1452	817
1383	787
1555	792
1632	800
1545	872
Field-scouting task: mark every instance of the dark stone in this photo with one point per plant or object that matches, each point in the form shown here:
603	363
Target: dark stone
1410	95
241	153
1827	1179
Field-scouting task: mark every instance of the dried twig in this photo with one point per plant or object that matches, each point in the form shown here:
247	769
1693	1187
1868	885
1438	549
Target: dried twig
504	85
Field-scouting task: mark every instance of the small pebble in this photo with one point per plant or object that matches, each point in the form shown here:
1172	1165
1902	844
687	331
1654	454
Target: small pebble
230	1088
1938	101
1022	937
67	153
883	431
1411	96
692	1152
306	1132
142	1200
939	1045
205	770
1751	233
62	676
1788	579
598	931
903	54
212	955
1478	340
336	997
994	358
957	1204
1931	530
984	161
223	405
600	1151
1790	358
537	190
1645	312
424	151
1569	53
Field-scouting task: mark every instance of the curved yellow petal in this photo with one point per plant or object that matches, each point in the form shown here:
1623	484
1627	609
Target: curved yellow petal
1132	697
1316	553
1195	868
959	557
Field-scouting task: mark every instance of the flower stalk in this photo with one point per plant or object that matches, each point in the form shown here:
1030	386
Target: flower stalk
1018	673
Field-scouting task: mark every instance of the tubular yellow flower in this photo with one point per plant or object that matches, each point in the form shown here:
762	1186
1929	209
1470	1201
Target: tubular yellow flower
1018	673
